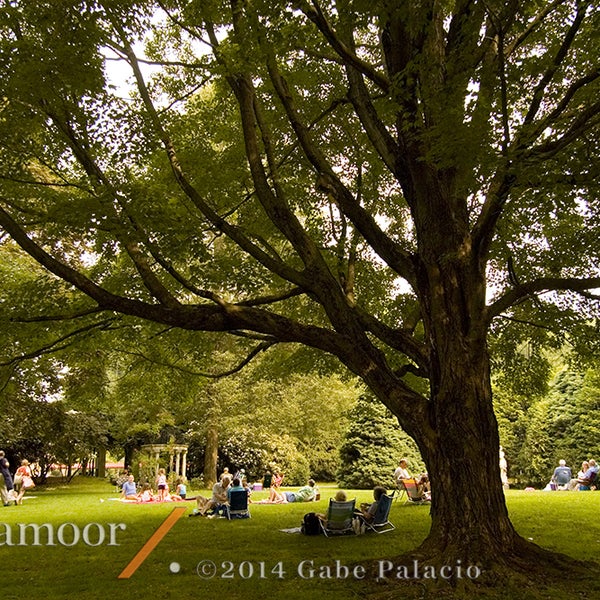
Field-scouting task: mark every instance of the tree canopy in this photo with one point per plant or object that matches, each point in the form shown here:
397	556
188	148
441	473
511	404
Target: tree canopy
387	182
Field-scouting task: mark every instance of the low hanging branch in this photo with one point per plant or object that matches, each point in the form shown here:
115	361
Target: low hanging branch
236	369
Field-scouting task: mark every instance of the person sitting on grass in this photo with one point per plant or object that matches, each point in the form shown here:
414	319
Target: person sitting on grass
181	489
218	498
275	495
129	489
584	478
584	482
340	496
402	471
248	489
422	481
277	480
146	494
562	475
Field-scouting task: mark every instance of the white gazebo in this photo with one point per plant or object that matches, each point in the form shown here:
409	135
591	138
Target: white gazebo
177	456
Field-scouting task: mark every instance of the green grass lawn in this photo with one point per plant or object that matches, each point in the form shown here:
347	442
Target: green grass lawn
252	558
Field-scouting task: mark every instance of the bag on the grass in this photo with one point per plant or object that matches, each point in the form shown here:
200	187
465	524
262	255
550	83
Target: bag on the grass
310	524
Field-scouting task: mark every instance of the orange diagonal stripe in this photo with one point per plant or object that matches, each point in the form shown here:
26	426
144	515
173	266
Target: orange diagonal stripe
154	540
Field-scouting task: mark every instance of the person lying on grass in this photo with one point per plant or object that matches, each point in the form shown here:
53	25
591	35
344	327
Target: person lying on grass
308	493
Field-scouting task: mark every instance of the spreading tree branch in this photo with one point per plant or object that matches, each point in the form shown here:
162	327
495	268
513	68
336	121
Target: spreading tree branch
538	286
561	54
101	183
348	56
60	343
533	25
201	204
50	318
328	181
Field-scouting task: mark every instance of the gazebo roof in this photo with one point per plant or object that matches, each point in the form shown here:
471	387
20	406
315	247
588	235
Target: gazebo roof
165	447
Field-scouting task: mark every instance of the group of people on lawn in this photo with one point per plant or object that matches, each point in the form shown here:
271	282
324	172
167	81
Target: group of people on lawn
13	488
222	490
130	492
227	484
562	478
587	477
221	494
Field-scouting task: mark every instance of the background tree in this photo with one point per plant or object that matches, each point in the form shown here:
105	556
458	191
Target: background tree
564	411
412	172
588	424
373	446
562	425
541	424
310	410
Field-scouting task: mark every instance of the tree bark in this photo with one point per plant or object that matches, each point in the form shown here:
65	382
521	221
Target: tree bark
101	463
470	525
469	515
129	449
211	452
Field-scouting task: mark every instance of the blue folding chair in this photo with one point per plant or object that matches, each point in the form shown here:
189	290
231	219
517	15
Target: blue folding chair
380	522
238	505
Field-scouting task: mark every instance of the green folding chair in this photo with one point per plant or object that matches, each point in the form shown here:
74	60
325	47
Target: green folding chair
338	520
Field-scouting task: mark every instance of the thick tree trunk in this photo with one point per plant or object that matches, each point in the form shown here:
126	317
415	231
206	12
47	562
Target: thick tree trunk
470	525
211	452
129	449
471	535
470	520
101	463
459	439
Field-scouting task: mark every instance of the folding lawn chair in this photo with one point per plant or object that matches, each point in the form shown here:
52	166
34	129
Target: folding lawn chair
413	494
589	483
238	505
380	522
400	489
339	517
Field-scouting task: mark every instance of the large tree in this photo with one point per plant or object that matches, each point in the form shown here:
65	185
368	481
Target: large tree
382	181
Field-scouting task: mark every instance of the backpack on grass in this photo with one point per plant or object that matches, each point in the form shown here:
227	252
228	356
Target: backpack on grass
310	524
